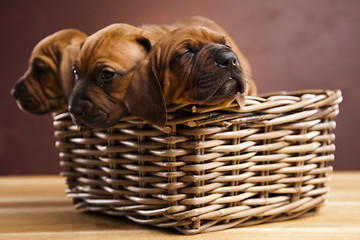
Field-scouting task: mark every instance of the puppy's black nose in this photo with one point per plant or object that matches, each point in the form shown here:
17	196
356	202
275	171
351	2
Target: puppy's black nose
78	109
14	93
18	90
226	59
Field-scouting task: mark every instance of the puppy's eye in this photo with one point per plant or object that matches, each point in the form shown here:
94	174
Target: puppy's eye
40	69
107	75
187	53
76	75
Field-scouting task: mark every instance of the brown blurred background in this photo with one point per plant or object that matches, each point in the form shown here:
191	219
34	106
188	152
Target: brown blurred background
291	45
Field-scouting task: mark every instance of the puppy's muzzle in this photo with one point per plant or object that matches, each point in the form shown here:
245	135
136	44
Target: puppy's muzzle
78	110
19	90
24	99
227	61
82	112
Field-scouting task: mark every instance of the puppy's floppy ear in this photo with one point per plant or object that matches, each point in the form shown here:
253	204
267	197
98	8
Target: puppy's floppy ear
68	58
143	41
144	97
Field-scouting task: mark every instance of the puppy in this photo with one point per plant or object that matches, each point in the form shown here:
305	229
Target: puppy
190	65
106	63
104	69
46	85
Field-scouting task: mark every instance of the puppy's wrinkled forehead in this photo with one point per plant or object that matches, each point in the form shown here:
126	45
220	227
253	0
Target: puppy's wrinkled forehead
49	49
114	45
196	37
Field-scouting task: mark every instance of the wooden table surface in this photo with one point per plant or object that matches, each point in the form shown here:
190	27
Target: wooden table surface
35	207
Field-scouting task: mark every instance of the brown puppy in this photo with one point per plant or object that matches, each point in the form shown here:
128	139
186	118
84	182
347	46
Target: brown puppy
103	71
204	22
105	66
46	85
190	65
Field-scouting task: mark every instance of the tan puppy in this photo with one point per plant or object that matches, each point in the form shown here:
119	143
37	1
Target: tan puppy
104	69
190	65
46	85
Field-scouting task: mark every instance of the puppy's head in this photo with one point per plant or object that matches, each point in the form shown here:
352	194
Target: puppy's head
191	65
47	83
103	71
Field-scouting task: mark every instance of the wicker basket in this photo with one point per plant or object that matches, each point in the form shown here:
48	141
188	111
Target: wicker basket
209	169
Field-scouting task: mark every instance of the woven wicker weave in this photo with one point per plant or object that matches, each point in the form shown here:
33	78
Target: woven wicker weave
210	168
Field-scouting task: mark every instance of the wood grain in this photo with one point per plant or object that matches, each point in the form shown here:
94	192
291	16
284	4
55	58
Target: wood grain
35	207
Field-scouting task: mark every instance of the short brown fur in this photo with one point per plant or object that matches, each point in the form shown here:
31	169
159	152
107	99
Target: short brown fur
46	85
